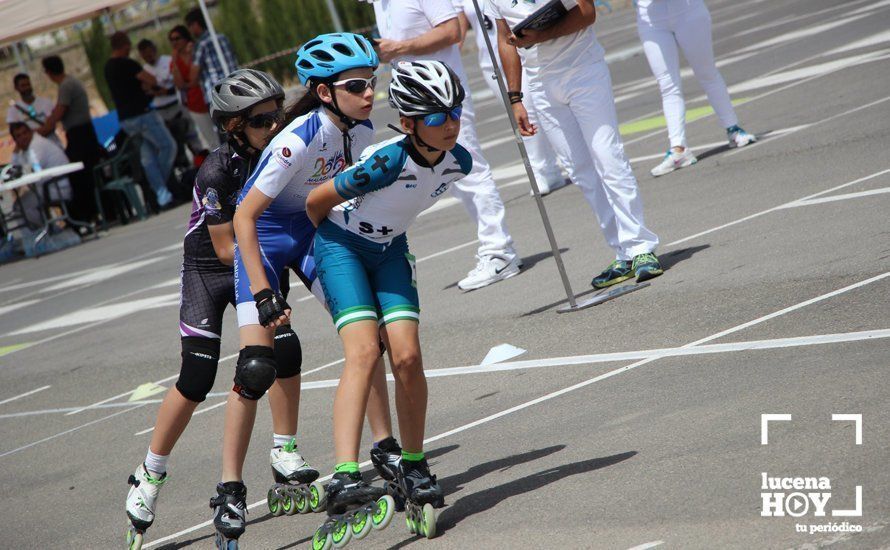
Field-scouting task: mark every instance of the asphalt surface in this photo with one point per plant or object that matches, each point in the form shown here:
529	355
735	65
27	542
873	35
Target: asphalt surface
774	302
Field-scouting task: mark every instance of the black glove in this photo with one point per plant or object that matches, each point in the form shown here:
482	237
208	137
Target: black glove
270	306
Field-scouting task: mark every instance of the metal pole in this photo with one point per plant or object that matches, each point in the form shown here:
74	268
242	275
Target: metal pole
335	17
554	246
18	58
214	39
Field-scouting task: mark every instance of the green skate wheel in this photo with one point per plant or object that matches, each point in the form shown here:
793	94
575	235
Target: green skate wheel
321	540
287	504
273	503
341	534
384	509
317	496
301	501
134	539
410	523
361	525
428	525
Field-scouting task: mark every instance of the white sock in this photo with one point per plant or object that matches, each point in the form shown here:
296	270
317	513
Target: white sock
156	464
279	440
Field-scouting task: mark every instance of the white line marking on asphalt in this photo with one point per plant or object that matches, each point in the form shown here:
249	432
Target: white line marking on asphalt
12	307
779	207
26	394
61	410
647	545
60	434
844	197
564	391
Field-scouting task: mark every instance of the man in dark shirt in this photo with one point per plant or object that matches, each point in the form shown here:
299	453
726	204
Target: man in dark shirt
128	83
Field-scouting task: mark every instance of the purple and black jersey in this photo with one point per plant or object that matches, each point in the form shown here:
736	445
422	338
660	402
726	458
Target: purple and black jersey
214	198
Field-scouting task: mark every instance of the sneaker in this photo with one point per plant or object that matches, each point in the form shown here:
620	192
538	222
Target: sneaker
490	269
738	137
674	161
546	188
288	465
646	266
617	272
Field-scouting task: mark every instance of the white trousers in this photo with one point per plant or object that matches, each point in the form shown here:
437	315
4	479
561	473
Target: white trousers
540	153
480	195
206	129
577	111
687	24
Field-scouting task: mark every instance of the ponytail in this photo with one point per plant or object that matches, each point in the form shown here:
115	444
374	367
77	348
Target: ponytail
305	104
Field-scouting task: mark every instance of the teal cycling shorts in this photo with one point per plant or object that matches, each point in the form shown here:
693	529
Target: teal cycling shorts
363	280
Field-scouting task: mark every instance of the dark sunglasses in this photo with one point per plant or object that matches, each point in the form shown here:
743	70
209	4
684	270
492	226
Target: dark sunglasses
438	119
357	85
264	121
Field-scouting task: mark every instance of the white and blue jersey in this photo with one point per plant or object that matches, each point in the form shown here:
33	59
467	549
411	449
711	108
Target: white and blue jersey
391	185
361	250
306	153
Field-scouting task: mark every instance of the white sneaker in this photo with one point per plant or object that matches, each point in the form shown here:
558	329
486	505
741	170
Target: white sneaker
674	161
289	465
490	269
738	137
546	188
142	497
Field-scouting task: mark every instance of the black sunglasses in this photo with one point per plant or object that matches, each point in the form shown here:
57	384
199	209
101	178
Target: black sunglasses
264	120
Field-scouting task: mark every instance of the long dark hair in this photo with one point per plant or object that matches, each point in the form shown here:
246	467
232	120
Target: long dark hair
305	104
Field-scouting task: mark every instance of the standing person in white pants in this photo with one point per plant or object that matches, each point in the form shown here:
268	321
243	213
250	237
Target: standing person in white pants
429	29
663	25
541	155
572	91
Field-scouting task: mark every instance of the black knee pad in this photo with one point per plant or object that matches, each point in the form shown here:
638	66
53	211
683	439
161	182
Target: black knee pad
255	372
200	357
288	352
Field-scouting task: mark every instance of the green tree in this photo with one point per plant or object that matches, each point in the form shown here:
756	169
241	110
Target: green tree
279	33
98	50
237	20
355	15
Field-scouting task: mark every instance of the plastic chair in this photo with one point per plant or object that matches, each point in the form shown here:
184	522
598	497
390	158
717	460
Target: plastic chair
118	175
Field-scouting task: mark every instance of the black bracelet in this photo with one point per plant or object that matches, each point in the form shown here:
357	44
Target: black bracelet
515	97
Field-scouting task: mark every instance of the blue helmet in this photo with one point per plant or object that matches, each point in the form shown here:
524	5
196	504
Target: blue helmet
329	54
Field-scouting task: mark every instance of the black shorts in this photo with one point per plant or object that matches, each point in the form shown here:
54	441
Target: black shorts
204	296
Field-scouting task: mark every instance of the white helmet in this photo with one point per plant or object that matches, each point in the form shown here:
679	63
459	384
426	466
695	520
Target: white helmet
423	87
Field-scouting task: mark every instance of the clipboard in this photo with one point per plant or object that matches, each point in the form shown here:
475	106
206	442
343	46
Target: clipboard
544	17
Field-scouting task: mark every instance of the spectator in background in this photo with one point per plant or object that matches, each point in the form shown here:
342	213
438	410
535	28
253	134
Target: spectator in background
33	153
166	98
211	68
73	111
185	77
31	110
129	82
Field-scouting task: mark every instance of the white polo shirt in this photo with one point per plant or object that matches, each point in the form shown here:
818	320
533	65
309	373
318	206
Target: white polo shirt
407	19
552	55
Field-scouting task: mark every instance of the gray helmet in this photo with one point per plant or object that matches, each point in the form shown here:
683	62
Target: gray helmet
424	87
240	90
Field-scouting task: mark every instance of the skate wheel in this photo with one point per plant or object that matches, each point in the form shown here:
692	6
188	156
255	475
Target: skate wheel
301	501
429	521
410	524
317	496
134	539
361	524
321	540
287	504
341	534
223	543
384	509
273	502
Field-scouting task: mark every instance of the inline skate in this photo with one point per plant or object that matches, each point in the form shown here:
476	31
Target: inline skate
354	509
295	489
229	513
141	501
422	495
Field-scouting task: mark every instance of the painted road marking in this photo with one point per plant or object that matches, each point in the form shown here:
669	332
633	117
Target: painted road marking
4	350
26	394
146	390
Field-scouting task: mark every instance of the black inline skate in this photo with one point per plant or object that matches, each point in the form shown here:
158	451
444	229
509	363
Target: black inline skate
354	508
422	496
386	457
229	513
295	489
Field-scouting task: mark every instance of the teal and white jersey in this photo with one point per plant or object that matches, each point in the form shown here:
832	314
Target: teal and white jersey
391	185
